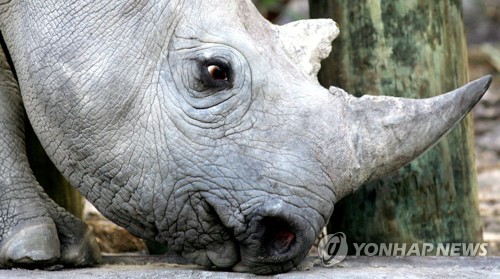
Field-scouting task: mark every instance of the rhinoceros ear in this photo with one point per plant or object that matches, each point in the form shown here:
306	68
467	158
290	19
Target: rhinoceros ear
307	42
390	132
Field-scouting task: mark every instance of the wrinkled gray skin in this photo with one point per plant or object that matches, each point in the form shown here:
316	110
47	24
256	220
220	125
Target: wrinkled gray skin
240	173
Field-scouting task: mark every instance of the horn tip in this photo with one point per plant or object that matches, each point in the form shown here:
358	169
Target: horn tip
488	80
479	87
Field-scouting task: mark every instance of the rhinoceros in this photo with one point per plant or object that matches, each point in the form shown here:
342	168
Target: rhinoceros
195	123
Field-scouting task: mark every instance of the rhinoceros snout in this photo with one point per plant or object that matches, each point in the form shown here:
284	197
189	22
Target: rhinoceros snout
276	241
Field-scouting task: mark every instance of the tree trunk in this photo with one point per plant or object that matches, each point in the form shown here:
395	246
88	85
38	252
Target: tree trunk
54	184
413	49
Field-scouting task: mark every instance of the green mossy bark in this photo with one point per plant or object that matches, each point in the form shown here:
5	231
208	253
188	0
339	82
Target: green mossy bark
54	184
413	49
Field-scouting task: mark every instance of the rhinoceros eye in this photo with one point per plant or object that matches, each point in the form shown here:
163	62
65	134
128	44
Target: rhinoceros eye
217	73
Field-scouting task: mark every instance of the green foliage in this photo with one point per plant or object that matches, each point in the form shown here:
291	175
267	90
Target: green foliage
274	9
266	5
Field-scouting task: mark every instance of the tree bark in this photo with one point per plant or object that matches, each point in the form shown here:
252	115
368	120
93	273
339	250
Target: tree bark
413	49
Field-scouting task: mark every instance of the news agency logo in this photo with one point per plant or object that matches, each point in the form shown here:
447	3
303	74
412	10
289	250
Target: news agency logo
333	249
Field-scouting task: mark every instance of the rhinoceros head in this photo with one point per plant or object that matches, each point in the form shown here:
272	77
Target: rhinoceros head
201	125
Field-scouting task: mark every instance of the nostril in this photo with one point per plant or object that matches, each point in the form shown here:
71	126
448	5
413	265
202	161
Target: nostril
276	239
278	236
283	238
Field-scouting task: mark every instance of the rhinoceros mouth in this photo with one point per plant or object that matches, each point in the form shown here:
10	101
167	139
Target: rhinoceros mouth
268	240
275	241
264	269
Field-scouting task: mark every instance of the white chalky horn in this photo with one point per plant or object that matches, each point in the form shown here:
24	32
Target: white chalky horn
307	42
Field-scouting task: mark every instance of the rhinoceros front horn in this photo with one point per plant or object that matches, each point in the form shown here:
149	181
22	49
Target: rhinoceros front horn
389	132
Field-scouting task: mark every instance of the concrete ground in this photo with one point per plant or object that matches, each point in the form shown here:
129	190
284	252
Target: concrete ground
353	267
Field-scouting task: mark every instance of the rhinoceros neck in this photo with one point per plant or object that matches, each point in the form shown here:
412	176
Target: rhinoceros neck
70	53
54	32
66	51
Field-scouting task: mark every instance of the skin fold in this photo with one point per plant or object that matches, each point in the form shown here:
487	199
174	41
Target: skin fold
197	124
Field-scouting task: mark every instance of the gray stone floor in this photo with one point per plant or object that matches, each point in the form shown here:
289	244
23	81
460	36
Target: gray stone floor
353	267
